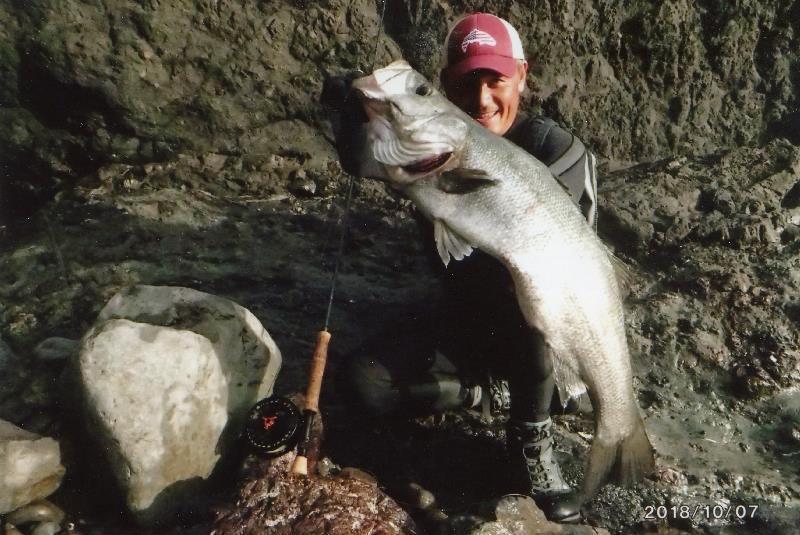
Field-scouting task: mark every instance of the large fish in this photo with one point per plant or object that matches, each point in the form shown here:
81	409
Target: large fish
481	191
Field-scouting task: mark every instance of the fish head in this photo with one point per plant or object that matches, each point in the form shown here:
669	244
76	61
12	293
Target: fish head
413	130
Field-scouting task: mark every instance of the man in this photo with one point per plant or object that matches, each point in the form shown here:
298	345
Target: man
479	334
485	75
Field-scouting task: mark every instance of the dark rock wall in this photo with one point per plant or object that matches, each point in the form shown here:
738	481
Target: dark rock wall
84	83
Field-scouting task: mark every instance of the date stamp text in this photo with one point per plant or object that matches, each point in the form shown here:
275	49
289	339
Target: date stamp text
700	513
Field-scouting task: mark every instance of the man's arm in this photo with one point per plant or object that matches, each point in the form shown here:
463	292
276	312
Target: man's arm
575	168
566	156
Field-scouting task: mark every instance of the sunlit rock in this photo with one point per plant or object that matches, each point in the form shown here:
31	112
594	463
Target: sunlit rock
167	376
30	467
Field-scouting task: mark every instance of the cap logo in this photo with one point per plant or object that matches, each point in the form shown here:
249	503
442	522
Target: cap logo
477	36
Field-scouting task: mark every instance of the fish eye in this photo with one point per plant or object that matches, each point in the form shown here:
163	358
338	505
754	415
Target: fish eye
424	90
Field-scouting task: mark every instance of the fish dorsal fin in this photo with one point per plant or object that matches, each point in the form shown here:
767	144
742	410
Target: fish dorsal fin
463	180
449	243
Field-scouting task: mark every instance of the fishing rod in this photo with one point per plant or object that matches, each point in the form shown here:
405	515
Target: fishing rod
274	423
320	357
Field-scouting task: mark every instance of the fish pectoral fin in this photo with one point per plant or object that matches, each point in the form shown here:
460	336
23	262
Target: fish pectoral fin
449	243
567	377
623	273
463	180
569	384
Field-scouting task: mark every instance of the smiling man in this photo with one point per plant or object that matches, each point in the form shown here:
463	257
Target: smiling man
477	350
485	74
485	71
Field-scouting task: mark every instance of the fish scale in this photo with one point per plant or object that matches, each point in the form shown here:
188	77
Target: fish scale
494	196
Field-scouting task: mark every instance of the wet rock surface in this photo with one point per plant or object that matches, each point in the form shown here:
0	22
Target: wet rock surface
711	316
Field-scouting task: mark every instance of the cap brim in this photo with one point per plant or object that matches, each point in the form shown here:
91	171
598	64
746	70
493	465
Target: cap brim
500	64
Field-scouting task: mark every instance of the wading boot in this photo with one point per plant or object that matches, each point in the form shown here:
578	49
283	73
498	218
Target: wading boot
530	450
493	397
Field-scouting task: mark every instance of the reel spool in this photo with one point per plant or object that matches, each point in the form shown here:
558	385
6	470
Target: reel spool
273	426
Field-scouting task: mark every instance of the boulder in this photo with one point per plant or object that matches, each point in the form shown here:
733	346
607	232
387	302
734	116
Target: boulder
167	376
30	467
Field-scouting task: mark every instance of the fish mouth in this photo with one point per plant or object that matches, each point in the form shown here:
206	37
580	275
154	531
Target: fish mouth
428	164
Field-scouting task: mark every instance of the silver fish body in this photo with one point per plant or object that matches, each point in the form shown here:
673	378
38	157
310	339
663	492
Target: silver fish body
482	191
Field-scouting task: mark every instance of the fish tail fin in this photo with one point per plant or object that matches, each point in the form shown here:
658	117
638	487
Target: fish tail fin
636	458
626	461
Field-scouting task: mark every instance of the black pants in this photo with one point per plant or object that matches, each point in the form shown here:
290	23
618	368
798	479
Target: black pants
429	365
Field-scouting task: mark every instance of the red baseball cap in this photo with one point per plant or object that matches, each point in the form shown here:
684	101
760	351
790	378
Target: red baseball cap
483	41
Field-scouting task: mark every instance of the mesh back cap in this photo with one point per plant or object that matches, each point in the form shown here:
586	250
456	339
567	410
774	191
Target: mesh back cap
483	41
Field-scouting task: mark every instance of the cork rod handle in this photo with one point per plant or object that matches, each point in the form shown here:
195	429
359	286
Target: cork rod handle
318	362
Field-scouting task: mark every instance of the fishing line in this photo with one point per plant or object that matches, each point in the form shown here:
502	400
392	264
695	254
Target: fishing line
349	196
51	235
378	37
266	416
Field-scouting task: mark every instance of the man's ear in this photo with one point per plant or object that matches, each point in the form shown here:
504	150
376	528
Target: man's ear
523	67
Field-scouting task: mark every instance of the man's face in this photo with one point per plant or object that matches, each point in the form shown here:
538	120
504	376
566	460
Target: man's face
487	96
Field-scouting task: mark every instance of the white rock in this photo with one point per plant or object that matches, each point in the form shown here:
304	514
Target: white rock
251	360
493	528
163	372
519	514
160	397
38	511
46	528
30	467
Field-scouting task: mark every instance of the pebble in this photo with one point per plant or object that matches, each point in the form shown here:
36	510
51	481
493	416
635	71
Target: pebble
672	477
326	467
46	528
423	498
38	511
301	184
790	233
723	202
11	529
56	348
214	162
361	475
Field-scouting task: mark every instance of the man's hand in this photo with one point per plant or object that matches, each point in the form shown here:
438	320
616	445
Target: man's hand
336	90
347	118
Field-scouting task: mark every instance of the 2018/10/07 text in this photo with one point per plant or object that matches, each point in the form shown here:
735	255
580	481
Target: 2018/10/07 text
698	513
